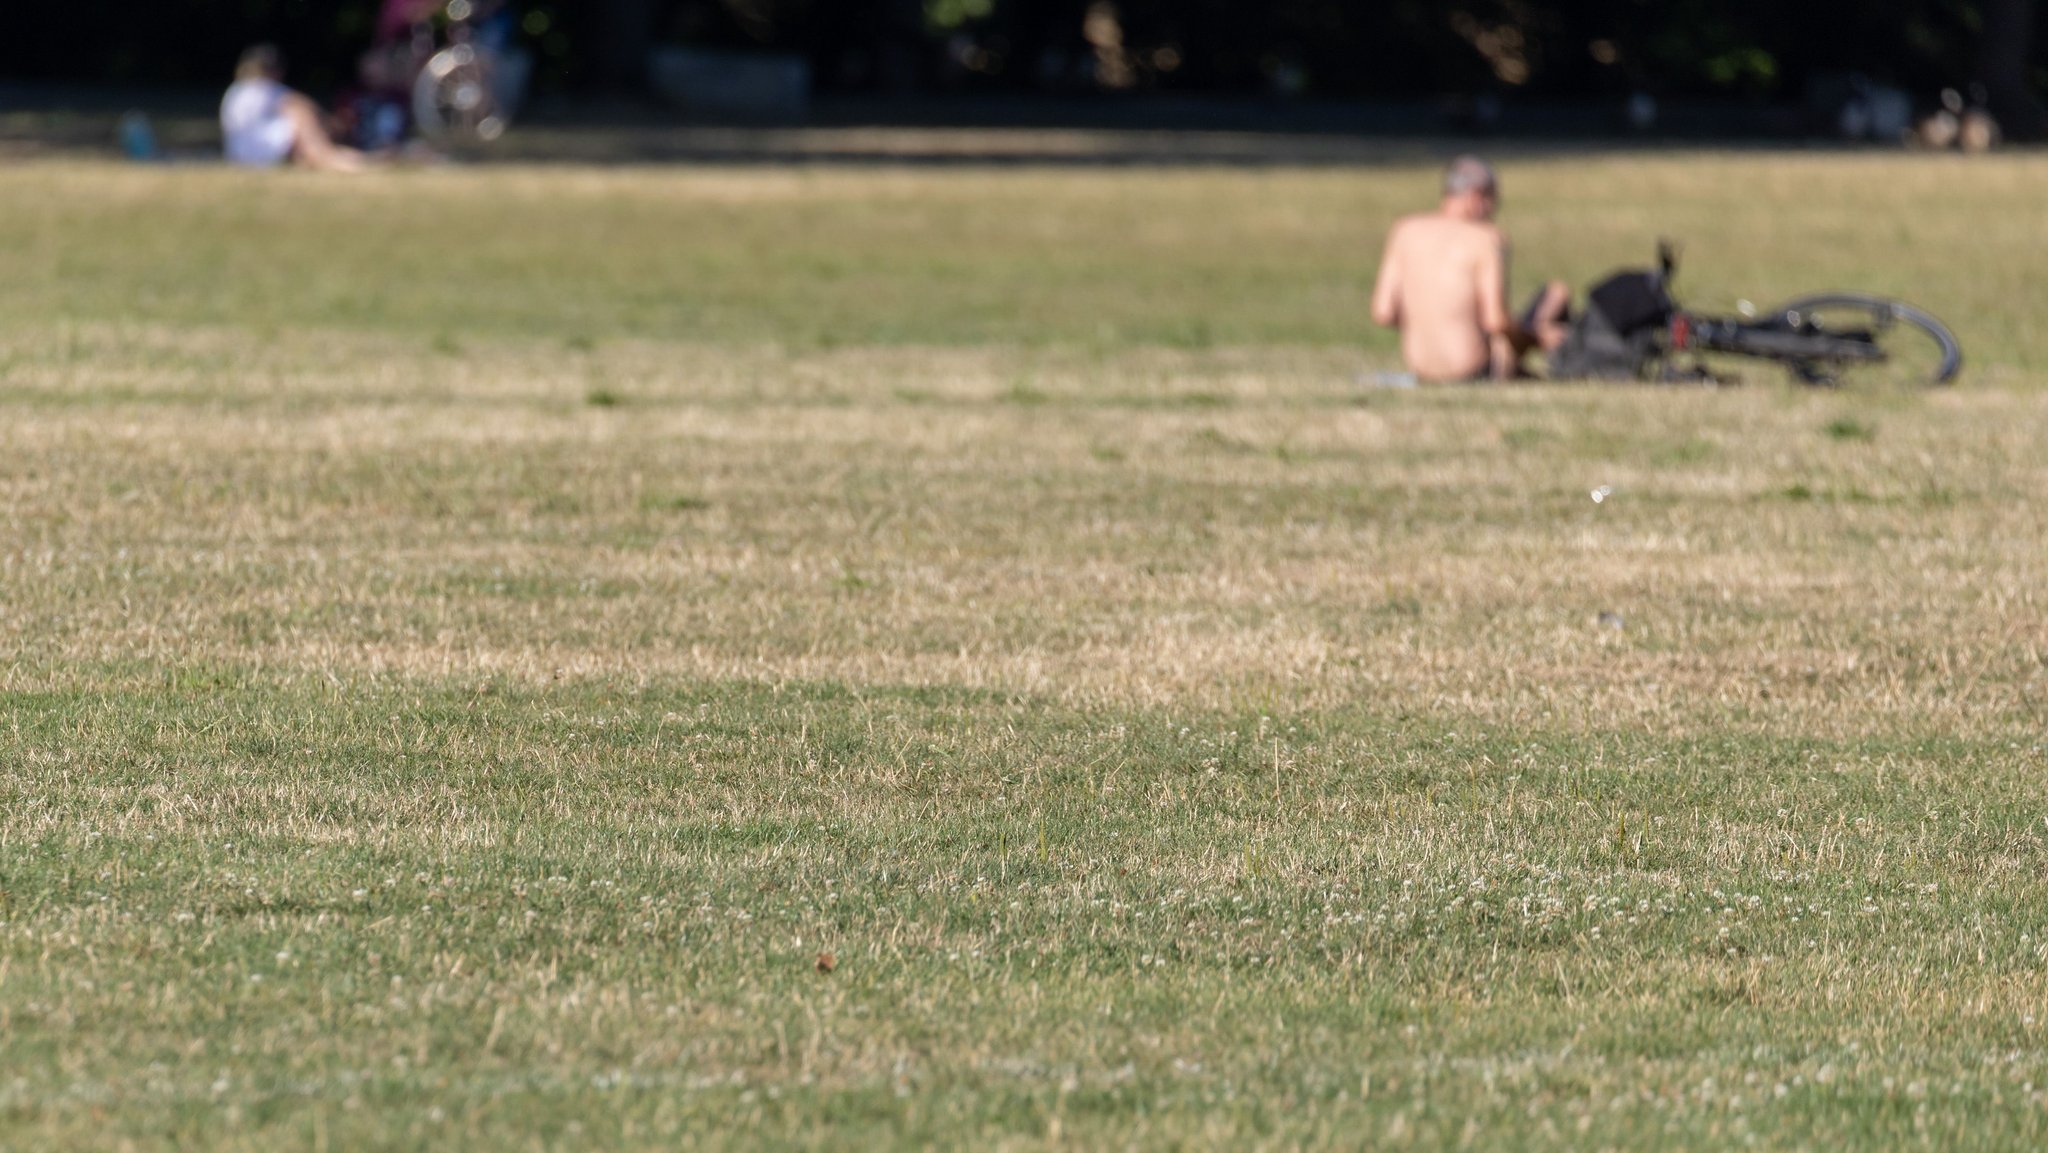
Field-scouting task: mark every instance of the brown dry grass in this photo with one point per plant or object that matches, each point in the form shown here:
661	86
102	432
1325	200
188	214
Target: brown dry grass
1137	529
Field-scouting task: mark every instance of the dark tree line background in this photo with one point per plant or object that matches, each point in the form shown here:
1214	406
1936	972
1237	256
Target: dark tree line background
1731	49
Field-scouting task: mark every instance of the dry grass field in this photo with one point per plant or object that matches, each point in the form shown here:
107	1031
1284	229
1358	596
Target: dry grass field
564	658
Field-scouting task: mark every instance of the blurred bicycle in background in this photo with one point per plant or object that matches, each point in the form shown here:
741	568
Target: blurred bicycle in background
448	71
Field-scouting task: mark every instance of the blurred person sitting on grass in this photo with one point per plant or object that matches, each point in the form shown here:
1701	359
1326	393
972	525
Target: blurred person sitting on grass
1443	283
264	124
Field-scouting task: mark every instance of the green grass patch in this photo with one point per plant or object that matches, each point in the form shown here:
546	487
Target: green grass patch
674	502
942	658
604	908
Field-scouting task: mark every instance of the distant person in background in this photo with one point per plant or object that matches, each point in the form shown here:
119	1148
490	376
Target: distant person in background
263	124
380	113
399	48
1443	283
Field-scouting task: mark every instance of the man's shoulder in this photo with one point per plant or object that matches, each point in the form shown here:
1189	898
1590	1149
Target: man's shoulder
1481	230
1436	224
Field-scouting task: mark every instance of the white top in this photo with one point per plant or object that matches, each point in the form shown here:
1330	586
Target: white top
253	124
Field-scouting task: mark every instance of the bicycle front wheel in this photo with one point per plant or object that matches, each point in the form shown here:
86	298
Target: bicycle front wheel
1917	350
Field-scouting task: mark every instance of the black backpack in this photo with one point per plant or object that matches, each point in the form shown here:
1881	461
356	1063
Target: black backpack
1617	337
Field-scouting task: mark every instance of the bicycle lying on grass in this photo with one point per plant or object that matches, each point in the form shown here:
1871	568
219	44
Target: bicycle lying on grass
1634	330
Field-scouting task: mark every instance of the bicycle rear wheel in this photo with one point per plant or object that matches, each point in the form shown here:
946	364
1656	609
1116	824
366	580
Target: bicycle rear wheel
1918	350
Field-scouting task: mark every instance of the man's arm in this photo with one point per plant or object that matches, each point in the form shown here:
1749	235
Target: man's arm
1493	310
1386	292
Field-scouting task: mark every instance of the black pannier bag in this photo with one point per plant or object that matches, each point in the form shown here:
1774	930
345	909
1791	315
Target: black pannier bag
1617	336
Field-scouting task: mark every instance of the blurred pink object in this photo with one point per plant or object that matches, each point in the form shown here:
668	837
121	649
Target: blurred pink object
398	17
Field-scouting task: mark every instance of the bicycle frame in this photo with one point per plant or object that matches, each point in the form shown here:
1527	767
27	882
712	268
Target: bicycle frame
1796	335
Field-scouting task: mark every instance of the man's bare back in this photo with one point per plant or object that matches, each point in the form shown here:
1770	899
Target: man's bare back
1443	283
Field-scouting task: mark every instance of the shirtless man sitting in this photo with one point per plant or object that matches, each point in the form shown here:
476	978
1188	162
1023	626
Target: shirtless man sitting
1443	284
